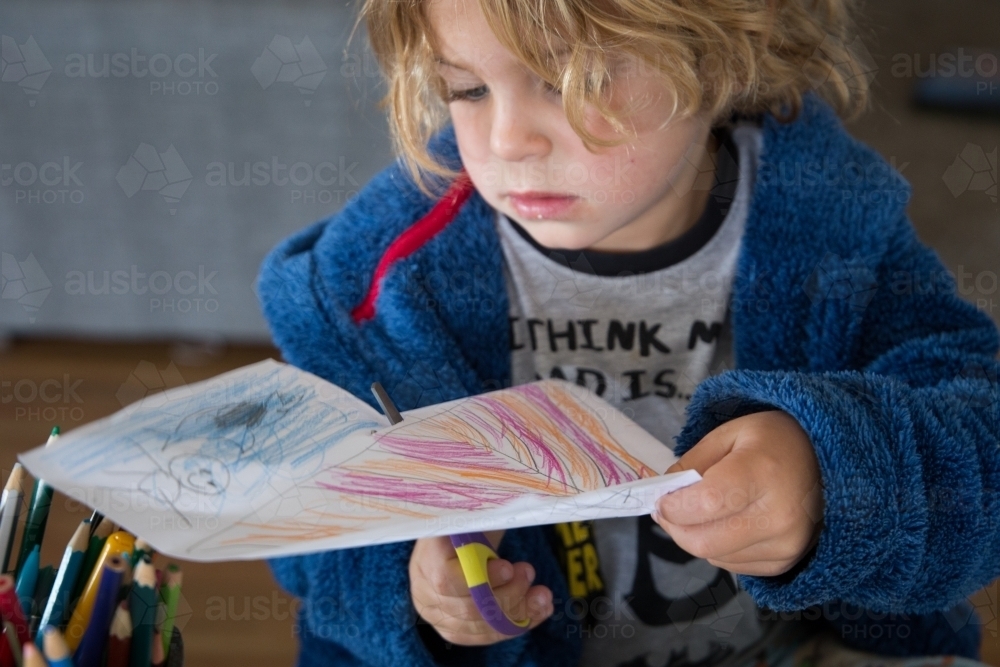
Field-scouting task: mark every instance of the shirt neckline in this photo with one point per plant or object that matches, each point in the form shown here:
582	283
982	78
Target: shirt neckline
665	255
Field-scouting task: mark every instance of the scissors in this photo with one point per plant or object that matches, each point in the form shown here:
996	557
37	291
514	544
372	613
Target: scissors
474	552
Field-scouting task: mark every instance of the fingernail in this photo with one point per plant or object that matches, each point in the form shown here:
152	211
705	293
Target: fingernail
539	599
506	572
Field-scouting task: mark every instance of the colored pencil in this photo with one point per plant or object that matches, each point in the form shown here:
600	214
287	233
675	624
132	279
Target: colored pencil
33	657
43	589
95	520
176	653
91	649
142	548
10	651
120	637
170	593
95	545
65	582
142	607
10	609
157	658
118	544
10	511
56	651
38	513
27	579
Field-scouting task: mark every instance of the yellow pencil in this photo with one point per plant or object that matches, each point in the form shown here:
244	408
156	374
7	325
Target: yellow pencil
118	544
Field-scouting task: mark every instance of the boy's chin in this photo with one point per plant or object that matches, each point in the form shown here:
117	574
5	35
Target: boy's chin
558	235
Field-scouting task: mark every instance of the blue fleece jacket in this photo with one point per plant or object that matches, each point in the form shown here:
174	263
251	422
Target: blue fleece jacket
840	318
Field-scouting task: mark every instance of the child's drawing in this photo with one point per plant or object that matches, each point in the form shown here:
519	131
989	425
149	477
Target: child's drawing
269	460
490	450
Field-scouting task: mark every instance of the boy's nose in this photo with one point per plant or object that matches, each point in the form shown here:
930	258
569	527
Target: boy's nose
516	133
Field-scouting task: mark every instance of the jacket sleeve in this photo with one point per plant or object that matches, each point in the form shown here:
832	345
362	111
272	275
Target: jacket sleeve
908	442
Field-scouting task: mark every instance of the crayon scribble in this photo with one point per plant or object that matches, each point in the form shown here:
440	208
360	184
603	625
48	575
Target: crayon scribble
489	450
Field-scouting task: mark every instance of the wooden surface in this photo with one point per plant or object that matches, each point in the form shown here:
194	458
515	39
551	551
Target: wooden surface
236	614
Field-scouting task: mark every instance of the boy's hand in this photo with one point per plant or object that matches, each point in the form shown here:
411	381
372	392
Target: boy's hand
441	596
759	507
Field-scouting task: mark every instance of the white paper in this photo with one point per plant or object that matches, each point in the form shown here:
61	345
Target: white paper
268	460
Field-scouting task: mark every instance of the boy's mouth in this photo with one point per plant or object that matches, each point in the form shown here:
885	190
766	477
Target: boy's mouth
540	205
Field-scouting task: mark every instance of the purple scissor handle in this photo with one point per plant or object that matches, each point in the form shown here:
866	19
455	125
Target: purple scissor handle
473	550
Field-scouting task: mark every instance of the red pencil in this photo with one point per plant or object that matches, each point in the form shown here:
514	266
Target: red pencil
120	637
157	659
10	609
9	646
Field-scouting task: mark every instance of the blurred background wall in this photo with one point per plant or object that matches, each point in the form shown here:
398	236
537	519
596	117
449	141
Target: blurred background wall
138	197
152	152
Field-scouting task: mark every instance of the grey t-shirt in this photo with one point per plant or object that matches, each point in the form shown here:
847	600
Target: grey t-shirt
643	339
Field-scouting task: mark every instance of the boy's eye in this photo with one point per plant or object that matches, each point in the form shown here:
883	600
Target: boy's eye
469	94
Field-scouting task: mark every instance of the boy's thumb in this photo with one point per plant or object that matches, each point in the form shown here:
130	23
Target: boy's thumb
710	450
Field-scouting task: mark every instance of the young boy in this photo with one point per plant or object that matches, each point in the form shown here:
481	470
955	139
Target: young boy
637	196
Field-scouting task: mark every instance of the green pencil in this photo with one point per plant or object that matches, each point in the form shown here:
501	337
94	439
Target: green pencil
38	513
142	607
43	590
170	593
142	548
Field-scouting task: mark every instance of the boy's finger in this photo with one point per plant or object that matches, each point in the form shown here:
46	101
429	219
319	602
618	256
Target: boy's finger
512	594
716	539
518	600
466	630
726	489
540	603
461	622
707	452
446	578
435	549
529	602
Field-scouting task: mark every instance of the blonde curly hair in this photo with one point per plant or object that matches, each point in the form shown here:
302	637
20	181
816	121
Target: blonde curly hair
715	56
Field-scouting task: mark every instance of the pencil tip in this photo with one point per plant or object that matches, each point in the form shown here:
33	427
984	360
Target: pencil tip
54	645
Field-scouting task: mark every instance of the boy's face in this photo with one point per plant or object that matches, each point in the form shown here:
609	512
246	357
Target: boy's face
526	161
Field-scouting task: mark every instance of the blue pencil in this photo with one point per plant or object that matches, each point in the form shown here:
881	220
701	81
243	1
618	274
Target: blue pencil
90	652
69	572
56	651
26	581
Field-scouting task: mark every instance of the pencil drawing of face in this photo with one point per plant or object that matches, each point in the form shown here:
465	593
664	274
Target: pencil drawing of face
241	446
200	474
